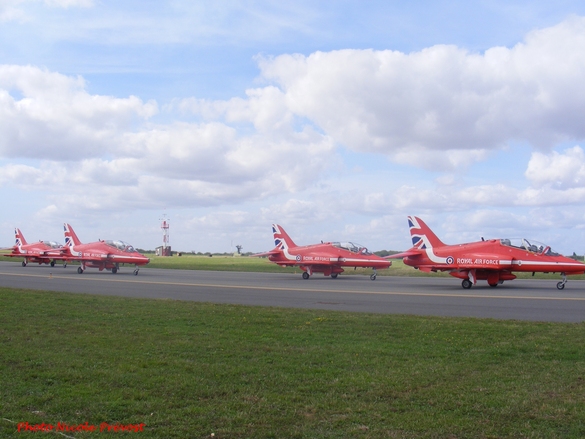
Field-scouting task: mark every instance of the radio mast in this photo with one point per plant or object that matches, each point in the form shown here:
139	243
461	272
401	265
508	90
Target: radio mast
165	250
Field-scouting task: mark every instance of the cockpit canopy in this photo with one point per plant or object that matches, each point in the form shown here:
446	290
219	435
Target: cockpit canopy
529	245
52	244
121	245
354	248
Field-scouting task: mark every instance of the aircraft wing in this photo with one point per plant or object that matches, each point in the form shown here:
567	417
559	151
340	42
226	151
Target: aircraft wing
95	257
271	252
58	253
408	253
413	253
11	255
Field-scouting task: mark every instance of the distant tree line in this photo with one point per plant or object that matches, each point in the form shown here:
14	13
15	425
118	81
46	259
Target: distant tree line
193	252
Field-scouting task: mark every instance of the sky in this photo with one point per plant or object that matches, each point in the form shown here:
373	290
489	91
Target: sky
334	119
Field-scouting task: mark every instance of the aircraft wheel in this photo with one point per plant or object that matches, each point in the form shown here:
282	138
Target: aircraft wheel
333	275
65	265
52	263
493	285
305	275
79	270
24	263
136	272
560	285
466	284
373	277
114	270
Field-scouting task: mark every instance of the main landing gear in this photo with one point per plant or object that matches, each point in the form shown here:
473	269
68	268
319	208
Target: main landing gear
307	274
467	284
114	270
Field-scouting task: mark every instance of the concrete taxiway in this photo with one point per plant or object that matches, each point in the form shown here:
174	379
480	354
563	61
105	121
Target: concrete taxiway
537	300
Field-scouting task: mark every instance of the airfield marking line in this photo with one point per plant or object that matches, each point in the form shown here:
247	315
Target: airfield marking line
308	290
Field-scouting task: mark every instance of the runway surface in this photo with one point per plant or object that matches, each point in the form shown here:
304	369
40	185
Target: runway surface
537	300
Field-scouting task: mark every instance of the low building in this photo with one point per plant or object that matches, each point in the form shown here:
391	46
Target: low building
163	251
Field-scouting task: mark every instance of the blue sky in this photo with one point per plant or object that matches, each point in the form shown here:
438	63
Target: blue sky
335	119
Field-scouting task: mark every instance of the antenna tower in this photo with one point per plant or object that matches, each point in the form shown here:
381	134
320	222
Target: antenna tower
165	228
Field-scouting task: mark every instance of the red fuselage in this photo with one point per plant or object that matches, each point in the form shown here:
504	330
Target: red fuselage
105	255
39	252
328	258
492	260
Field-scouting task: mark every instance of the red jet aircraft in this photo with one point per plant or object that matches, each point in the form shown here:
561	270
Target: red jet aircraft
43	252
493	260
101	254
326	258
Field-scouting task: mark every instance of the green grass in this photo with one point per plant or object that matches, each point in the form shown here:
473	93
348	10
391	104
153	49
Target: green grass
188	369
217	263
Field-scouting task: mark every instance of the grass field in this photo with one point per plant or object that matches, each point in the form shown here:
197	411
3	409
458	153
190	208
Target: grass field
187	370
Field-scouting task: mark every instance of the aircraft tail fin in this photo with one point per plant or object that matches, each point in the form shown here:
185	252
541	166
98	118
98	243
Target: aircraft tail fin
19	238
70	236
281	239
422	236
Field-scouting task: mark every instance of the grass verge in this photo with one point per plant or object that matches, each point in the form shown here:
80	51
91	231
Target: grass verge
187	370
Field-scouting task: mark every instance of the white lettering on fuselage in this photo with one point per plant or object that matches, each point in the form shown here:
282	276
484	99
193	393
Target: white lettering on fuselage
315	258
478	261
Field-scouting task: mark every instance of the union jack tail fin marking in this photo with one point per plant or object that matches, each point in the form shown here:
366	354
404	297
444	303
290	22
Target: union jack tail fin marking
422	236
281	239
71	238
19	238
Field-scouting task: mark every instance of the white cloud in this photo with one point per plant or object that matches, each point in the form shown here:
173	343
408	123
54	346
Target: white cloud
556	179
558	170
9	10
25	175
48	115
91	141
13	10
442	99
441	108
69	3
298	211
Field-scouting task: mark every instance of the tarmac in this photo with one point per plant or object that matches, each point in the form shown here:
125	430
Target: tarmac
521	299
